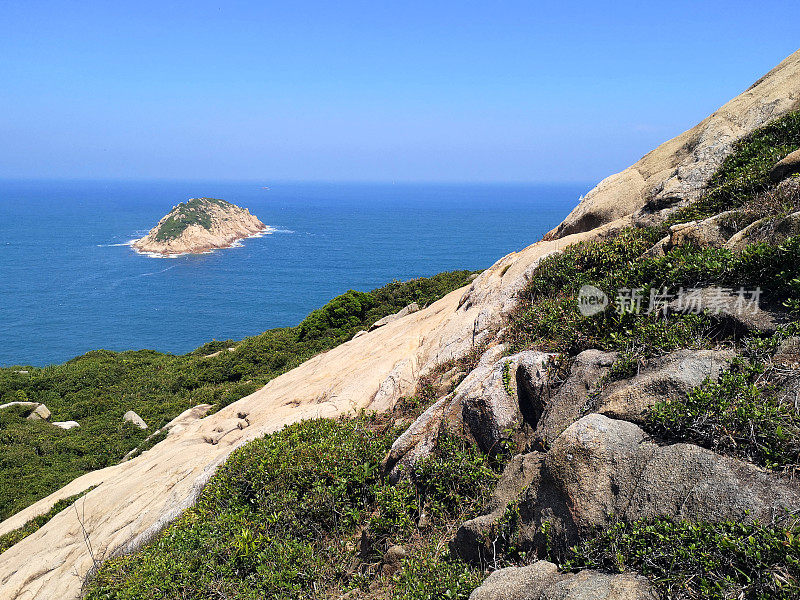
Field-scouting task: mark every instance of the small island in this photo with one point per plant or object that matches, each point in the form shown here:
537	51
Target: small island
199	225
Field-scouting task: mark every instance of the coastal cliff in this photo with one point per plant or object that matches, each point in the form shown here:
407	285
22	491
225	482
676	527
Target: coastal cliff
199	225
570	398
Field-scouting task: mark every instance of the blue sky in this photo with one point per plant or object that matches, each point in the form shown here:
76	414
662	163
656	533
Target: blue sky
368	91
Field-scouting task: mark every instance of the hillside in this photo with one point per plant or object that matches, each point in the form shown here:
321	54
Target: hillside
199	225
514	446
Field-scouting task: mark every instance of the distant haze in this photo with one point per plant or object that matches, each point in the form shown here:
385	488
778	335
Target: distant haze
367	91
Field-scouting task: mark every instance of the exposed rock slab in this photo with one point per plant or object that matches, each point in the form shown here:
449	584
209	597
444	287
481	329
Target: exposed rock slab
675	173
411	308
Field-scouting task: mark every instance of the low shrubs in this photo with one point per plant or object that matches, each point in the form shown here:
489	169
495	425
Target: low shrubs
282	519
689	561
744	173
741	414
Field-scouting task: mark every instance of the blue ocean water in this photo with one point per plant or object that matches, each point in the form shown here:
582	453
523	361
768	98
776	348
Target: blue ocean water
69	284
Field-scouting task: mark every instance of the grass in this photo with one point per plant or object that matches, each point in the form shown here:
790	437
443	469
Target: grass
96	389
548	316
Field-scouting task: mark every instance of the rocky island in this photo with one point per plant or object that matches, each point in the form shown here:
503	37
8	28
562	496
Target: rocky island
199	225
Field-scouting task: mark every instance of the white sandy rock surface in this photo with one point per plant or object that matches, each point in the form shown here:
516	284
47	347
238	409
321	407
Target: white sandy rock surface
135	499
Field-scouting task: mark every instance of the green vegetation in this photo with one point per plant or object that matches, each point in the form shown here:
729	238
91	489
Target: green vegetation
304	513
191	212
32	526
96	389
714	561
744	414
743	175
551	320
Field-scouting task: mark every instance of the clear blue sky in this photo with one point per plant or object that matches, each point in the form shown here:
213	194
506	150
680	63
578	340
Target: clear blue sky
373	91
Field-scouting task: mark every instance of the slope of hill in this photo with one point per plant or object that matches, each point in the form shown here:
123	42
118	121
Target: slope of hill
566	421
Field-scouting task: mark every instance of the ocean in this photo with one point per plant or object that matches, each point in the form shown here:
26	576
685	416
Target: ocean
70	283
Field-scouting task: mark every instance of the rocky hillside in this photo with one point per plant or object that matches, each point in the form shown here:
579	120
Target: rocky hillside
199	225
609	413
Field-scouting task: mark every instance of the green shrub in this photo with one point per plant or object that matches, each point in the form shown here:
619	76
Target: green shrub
269	523
433	575
735	416
713	561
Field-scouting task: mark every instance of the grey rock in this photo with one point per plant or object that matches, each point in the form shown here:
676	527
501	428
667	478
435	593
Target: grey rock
785	167
609	470
543	581
666	378
566	405
476	540
480	408
714	231
66	424
132	417
40	413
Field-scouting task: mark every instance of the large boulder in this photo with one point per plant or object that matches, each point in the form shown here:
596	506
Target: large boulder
567	404
789	165
543	581
601	471
610	470
477	540
40	413
665	378
493	400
